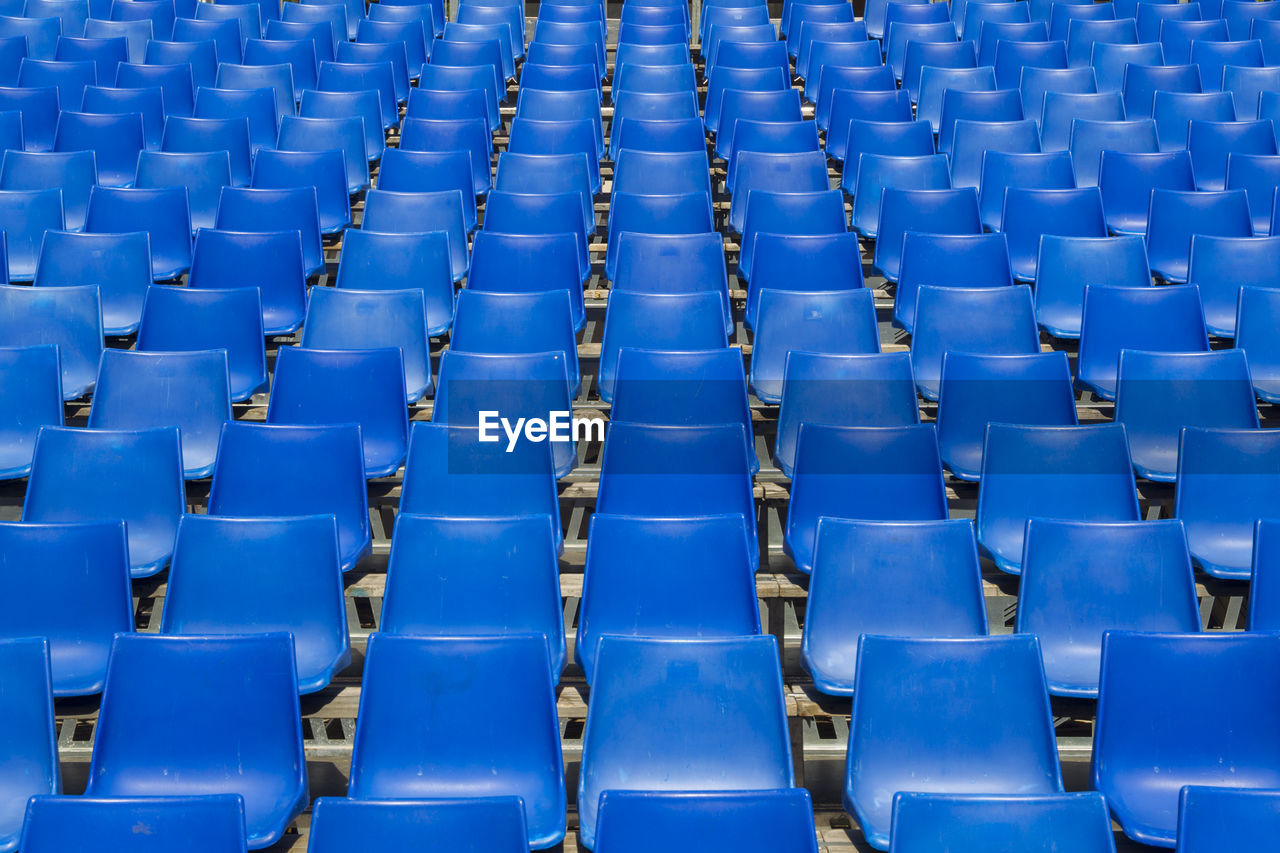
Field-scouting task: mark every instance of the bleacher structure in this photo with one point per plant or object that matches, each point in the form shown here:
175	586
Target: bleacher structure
918	489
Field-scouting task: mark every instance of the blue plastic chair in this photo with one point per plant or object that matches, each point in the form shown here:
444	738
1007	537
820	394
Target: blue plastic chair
198	676
69	317
1193	672
518	385
985	320
411	33
977	390
258	105
340	318
1214	56
947	260
277	78
145	390
1063	14
201	174
1240	817
868	473
560	106
72	172
666	135
201	55
750	744
876	172
661	106
1067	265
804	171
542	214
1030	214
439	76
562	78
353	15
323	387
897	737
162	212
1220	523
211	823
496	823
1034	83
773	105
298	55
1150	16
827	322
947	211
248	17
572	136
769	136
373	260
222	256
94	475
876	13
898	34
1159	393
1141	82
161	14
499	323
1082	579
1015	60
302	595
324	171
671	321
1211	143
1062	109
670	263
974	822
755	821
620	598
547	173
174	80
433	559
115	139
527	749
818	51
1221	266
1253	324
868	94
185	320
1135	318
362	105
1126	180
1090	139
323	467
947	55
41	33
322	134
1246	85
69	78
148	102
87	566
1081	473
386	54
25	216
39	110
1003	170
1084	35
200	135
976	15
105	53
453	134
451	473
1177	216
31	748
31	387
997	105
829	262
1174	111
527	263
855	561
972	139
225	35
269	211
800	213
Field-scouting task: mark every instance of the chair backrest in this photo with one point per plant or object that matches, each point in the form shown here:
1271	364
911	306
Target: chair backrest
31	750
496	823
1013	822
277	257
212	823
987	320
1068	264
828	322
756	821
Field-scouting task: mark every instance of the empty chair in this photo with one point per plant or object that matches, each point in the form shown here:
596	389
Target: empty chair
202	56
1151	16
1001	821
898	34
339	318
1034	83
248	17
637	172
1141	82
191	135
451	473
876	172
322	465
517	323
667	135
1246	85
69	317
810	213
848	89
147	102
1221	266
671	321
543	136
1174	111
271	211
433	559
1176	216
1213	56
258	105
25	217
98	474
972	139
947	260
162	212
1211	143
753	820
32	753
373	260
222	257
1110	61
115	138
899	739
549	213
175	81
1209	815
991	33
31	387
72	172
1002	170
802	262
1061	109
618	599
39	110
839	468
443	135
946	211
301	595
1193	672
212	823
1030	214
988	320
224	34
1126	179
183	320
321	134
920	55
1017	59
1253	334
1086	469
411	33
978	389
201	174
1090	139
1083	579
737	104
856	559
750	744
1063	15
527	263
840	322
362	105
1135	318
189	390
527	752
333	386
105	53
562	78
669	263
803	171
1084	35
277	78
435	77
298	55
1159	394
1220	522
41	33
770	136
69	78
197	676
380	77
657	106
997	105
550	173
324	171
1068	265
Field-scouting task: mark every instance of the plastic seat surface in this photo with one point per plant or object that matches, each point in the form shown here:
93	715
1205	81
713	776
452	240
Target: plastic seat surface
981	823
31	755
31	388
